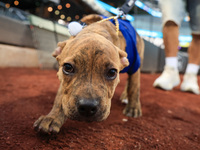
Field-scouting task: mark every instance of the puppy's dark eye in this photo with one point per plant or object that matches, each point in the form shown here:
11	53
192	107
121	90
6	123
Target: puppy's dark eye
112	74
68	69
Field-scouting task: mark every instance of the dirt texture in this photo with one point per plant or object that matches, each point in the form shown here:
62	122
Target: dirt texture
171	120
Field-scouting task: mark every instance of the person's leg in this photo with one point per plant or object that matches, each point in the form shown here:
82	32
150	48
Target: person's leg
190	78
170	38
190	82
194	50
193	8
172	17
171	42
173	13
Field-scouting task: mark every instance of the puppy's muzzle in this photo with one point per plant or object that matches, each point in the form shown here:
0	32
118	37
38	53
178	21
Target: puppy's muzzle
87	107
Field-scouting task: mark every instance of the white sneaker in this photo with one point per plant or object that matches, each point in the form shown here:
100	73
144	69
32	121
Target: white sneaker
168	79
190	83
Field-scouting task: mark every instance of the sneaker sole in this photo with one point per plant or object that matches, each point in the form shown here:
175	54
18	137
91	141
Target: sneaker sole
190	90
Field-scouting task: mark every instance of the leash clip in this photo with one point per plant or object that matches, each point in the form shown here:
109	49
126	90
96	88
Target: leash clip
126	7
120	13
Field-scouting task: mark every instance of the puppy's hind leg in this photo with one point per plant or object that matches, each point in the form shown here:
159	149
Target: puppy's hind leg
133	108
52	122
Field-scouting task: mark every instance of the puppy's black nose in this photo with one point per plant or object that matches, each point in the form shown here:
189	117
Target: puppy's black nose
87	107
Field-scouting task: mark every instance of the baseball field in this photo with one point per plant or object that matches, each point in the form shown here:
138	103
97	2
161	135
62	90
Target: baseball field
171	120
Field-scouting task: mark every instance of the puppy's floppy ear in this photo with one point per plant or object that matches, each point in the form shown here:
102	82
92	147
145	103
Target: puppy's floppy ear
59	48
123	58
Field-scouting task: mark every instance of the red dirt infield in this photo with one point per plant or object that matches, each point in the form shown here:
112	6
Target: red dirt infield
171	120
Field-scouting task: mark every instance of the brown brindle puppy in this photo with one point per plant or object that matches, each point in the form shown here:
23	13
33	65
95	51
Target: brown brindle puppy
89	66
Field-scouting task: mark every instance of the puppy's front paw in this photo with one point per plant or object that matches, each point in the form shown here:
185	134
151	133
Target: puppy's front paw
47	124
132	112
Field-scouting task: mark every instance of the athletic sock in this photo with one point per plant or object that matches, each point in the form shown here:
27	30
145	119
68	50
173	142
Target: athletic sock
172	62
192	68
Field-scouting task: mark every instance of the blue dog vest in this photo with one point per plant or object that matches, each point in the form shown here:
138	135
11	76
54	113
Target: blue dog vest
129	34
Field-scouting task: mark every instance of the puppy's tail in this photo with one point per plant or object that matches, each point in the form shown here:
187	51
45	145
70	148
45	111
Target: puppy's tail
89	19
